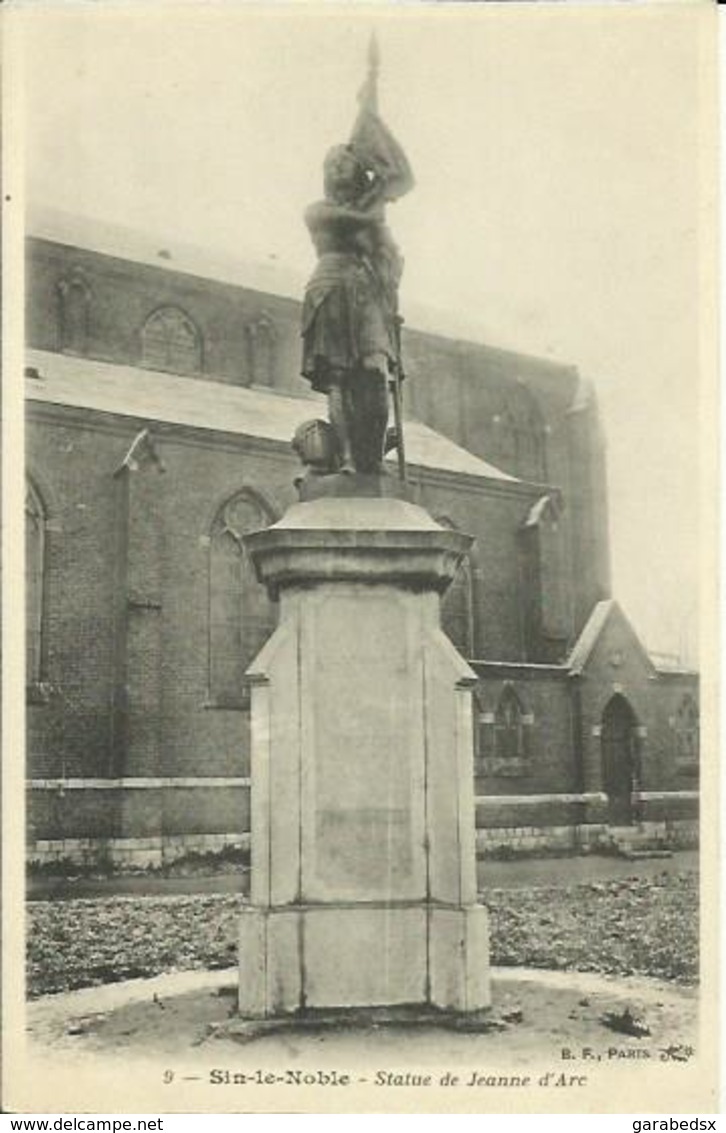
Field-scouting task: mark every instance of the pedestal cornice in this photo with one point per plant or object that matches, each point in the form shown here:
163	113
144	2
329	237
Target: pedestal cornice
369	540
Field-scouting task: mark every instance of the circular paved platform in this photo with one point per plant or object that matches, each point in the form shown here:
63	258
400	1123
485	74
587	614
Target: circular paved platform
536	1015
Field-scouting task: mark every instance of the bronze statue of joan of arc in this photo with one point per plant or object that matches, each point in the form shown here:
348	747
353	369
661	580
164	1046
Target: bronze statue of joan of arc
351	325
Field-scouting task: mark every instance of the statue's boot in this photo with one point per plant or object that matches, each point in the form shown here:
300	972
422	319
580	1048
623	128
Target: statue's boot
339	412
369	396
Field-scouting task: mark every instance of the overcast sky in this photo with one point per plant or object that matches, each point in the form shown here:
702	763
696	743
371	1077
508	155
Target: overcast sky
559	156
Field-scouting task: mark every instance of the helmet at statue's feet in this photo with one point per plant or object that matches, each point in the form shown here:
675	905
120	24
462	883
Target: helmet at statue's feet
316	443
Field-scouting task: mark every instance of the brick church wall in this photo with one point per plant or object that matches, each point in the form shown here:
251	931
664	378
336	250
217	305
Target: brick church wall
124	294
72	733
127	575
68	733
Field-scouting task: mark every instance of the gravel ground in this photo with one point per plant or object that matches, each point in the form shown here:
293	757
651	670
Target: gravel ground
171	1015
127	1042
628	926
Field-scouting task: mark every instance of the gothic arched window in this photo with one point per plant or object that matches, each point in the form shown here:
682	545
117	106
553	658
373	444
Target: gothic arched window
74	301
241	616
483	729
686	727
520	435
505	445
511	725
457	603
170	341
35	557
545	593
261	342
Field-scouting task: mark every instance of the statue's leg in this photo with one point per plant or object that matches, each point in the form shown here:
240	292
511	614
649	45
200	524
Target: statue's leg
349	412
370	413
339	413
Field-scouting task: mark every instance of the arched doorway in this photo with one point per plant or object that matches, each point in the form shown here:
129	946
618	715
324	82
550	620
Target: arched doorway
619	751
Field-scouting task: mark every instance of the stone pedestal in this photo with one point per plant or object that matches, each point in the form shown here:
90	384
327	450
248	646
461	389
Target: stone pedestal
363	856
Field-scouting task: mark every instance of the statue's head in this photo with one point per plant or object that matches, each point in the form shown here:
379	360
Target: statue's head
344	174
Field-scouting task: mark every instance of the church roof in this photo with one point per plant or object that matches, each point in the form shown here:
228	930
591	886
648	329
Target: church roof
150	395
594	626
126	243
587	640
671	665
585	397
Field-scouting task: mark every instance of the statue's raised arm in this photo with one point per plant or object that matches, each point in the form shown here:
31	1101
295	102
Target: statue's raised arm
350	328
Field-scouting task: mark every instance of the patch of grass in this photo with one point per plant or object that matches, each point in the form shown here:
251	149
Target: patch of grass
506	852
626	927
206	863
194	864
86	942
66	867
633	926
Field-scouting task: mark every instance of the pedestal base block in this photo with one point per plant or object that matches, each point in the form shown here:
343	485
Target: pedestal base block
337	956
459	958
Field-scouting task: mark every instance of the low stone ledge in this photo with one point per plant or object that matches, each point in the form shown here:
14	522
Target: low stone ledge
136	852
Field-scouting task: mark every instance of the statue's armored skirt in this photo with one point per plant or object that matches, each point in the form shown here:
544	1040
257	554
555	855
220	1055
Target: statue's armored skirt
345	320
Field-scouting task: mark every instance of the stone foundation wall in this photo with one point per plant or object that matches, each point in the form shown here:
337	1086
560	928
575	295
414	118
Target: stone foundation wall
496	841
506	824
145	853
132	853
500	841
675	833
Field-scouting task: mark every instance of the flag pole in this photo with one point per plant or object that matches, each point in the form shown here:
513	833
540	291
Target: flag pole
368	99
374	66
395	383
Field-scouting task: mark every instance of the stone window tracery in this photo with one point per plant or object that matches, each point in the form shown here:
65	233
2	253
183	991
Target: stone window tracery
504	737
35	559
170	341
74	301
545	597
483	730
686	726
510	726
261	347
520	435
